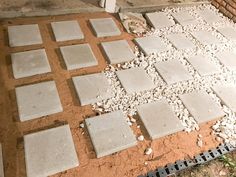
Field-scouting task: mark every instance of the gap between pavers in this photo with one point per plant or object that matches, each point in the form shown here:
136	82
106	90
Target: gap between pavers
1	162
104	27
110	133
30	63
172	71
49	152
159	20
23	35
202	106
78	56
37	100
118	51
92	88
180	41
159	119
135	80
227	93
67	30
227	58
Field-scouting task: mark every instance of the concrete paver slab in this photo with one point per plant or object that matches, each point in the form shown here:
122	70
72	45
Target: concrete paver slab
159	20
135	80
118	51
228	32
67	30
92	88
206	37
159	119
208	15
78	56
180	41
22	35
203	65
172	71
105	27
150	44
1	162
30	63
227	58
201	106
110	133
37	100
49	152
227	94
184	18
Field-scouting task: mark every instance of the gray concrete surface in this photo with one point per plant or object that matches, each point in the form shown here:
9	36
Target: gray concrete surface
228	32
159	20
184	18
49	152
180	41
208	16
206	37
110	133
227	58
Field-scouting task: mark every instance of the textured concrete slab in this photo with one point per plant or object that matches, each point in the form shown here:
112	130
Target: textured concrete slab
118	51
172	71
228	32
19	35
159	20
184	18
180	41
150	44
67	30
208	15
159	119
37	100
203	65
30	63
49	152
227	93
78	56
227	58
206	37
100	27
92	88
1	162
110	133
201	106
135	80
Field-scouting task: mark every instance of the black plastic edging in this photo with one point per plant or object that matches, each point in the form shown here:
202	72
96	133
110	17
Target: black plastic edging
180	165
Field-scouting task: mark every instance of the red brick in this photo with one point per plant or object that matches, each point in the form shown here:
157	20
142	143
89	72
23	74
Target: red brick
223	3
216	4
231	9
231	3
225	12
234	19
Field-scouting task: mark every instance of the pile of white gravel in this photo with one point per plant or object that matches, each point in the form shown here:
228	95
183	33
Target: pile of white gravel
225	128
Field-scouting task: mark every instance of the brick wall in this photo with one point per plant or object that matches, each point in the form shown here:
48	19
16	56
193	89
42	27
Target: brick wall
227	7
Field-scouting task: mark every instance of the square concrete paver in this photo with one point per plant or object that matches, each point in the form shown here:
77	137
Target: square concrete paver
135	80
208	15
150	44
78	56
172	71
110	133
202	106
1	162
92	88
159	20
228	32
37	100
30	63
203	65
180	41
184	18
159	119
22	35
49	152
228	59
227	94
104	27
67	30
118	51
206	37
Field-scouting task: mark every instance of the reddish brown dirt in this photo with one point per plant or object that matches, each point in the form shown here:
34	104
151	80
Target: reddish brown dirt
128	163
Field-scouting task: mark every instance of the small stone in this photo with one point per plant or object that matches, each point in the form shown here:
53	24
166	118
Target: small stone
141	138
199	142
218	139
81	125
145	163
138	126
200	136
148	151
132	120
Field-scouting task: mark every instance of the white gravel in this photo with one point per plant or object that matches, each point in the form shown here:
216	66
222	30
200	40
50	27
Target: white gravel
225	128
